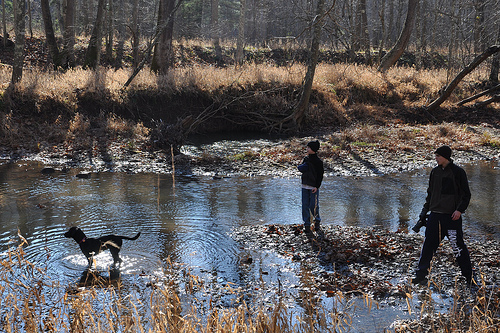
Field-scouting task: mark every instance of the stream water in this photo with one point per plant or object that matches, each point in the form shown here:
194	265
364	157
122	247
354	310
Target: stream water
189	220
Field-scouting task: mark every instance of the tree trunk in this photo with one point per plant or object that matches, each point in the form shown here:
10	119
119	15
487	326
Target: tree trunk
205	19
479	7
120	36
481	94
298	115
215	32
419	28
4	25
383	37
390	26
156	38
85	16
49	33
163	57
358	30
424	27
30	19
451	44
109	31
365	35
395	53
253	34
93	53
20	25
59	14
135	33
69	34
241	33
495	64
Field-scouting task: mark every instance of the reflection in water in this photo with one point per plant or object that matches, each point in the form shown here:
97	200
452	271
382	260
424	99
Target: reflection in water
100	279
192	223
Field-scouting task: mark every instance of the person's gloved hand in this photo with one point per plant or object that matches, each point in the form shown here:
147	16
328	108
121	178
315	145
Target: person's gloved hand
423	216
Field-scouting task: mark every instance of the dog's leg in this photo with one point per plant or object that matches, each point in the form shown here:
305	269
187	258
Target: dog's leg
91	260
116	257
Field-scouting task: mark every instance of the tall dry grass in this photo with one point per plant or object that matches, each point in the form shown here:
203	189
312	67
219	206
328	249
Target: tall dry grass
413	86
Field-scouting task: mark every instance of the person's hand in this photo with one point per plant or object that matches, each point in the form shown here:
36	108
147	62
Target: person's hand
314	190
456	215
423	215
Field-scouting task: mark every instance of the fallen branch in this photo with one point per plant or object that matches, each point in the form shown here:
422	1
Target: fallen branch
449	89
493	99
467	100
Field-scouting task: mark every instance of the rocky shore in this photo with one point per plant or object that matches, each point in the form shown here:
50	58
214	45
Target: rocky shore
357	151
365	262
370	261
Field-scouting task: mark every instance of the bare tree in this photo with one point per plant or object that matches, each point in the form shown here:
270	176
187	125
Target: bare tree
93	53
4	25
134	29
397	50
383	32
109	30
214	30
360	35
120	36
30	18
446	92
153	44
49	33
479	20
299	112
495	64
69	34
241	33
163	57
20	26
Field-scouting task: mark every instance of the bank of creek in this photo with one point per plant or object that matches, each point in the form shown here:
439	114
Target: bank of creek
230	215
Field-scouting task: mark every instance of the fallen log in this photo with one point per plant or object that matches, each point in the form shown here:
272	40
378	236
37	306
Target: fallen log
467	100
449	89
495	98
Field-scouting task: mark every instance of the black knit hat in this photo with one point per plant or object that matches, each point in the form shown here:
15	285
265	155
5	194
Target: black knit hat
444	151
314	145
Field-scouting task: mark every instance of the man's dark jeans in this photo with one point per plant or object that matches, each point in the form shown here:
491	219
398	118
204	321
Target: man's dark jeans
439	226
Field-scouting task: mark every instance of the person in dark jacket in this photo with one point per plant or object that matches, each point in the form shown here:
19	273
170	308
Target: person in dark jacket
448	197
312	176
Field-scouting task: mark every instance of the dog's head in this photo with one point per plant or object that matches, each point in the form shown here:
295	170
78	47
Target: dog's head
71	232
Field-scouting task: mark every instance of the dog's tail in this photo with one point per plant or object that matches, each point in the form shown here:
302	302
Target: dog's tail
132	238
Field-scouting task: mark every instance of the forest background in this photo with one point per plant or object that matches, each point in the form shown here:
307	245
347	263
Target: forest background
153	72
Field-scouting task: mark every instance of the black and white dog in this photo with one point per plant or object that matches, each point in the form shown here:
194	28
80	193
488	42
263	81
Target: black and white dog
93	246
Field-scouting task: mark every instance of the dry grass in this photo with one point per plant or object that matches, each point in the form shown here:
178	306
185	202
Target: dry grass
343	86
415	87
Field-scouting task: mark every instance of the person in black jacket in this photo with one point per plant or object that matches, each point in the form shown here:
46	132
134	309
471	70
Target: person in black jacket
448	197
312	176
